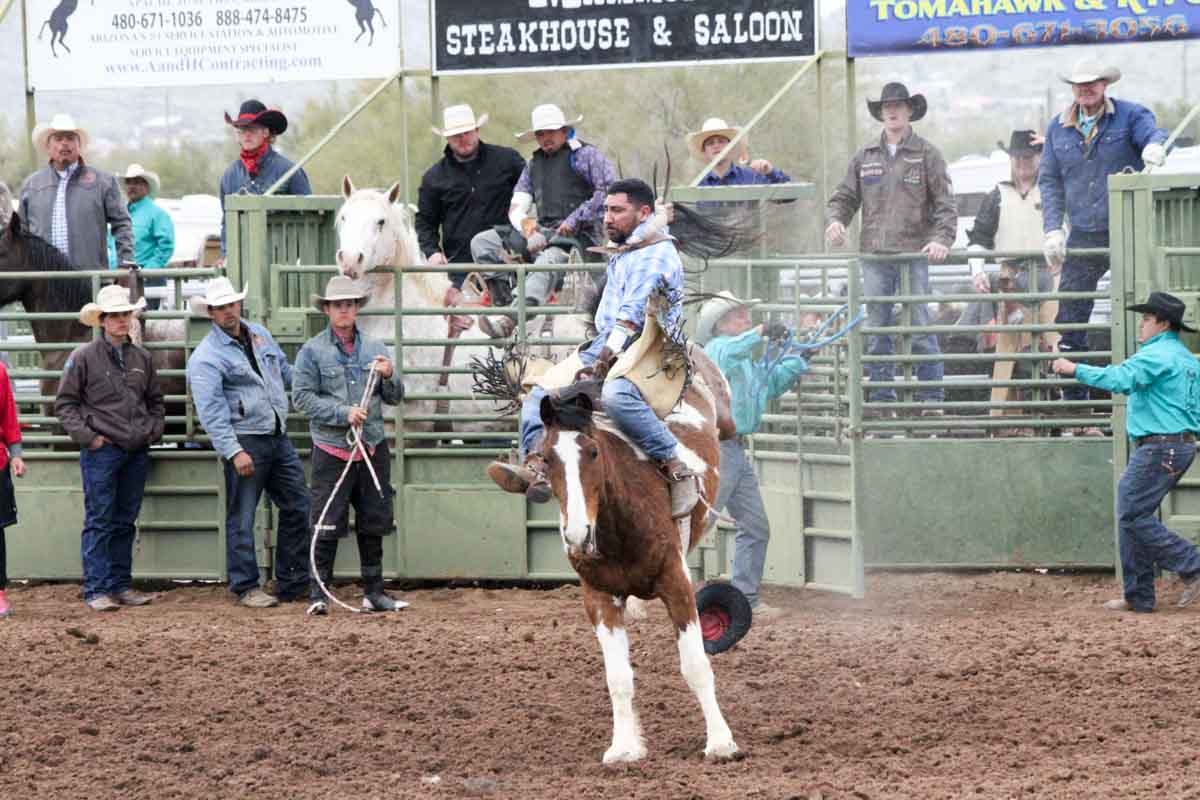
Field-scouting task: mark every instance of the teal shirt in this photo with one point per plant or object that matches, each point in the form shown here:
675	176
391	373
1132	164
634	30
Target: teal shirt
1163	383
751	390
153	236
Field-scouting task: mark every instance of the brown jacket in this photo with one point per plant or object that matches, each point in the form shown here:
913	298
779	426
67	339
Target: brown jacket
97	397
906	201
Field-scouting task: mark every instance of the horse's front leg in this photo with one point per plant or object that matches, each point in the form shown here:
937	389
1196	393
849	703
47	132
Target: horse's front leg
607	615
675	589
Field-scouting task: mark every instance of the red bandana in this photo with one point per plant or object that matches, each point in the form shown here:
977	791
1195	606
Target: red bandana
250	158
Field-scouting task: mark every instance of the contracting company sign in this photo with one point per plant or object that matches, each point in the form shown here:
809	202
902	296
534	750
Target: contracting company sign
504	35
882	27
95	44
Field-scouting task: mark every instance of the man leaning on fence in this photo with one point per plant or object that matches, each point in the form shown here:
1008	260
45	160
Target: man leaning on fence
1095	137
239	378
903	188
1162	419
111	404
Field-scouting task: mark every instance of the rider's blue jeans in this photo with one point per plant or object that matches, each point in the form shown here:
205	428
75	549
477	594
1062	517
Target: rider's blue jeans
624	405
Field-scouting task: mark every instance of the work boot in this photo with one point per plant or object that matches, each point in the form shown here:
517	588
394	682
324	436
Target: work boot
1191	590
684	490
381	601
103	602
257	598
128	597
528	479
5	609
497	327
317	608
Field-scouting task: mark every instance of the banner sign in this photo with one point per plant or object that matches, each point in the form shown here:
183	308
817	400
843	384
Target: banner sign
882	27
509	35
120	44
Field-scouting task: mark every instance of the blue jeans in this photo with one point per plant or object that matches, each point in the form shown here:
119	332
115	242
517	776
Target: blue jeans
624	405
114	481
1079	274
1153	470
277	470
881	279
739	490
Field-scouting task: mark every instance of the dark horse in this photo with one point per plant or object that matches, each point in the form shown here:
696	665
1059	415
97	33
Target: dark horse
365	12
58	24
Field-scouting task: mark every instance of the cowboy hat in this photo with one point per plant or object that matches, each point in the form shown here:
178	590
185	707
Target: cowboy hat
218	292
138	171
459	119
339	288
898	92
112	299
1087	70
714	126
253	112
712	311
62	123
547	117
1164	306
1021	143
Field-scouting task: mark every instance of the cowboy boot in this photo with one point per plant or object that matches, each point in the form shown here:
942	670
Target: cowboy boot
684	490
528	478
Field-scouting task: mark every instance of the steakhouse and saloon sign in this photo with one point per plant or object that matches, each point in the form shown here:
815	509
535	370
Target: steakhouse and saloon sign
509	35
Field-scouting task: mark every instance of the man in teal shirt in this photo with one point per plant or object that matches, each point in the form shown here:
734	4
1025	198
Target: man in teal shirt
731	340
153	230
1162	417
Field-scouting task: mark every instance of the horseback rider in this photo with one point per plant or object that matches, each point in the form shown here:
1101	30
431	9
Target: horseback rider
634	272
566	179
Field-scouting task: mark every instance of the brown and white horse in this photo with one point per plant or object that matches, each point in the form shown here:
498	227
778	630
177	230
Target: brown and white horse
618	534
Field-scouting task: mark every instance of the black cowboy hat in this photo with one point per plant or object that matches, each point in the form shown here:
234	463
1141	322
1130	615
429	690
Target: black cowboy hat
725	616
253	112
1164	306
894	92
1021	144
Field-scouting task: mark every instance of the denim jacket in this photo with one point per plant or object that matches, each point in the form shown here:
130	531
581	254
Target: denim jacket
329	382
1074	175
231	399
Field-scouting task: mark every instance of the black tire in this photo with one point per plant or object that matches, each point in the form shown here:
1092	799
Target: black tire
725	616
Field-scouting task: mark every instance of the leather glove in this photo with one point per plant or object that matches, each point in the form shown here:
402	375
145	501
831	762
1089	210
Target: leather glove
604	362
1055	248
774	330
1154	154
535	243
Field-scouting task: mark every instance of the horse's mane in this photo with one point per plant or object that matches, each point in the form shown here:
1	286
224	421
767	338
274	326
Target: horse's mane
574	405
41	256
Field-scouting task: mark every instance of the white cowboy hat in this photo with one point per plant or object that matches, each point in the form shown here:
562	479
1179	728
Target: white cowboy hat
1087	70
339	288
459	119
712	311
62	123
112	299
138	171
714	126
547	117
218	292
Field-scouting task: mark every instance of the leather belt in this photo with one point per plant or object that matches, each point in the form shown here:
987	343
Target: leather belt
1165	438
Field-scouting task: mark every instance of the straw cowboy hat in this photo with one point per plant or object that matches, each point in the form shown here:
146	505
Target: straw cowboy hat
712	311
894	93
1087	70
547	117
218	292
62	123
459	119
254	112
714	126
138	171
339	288
112	299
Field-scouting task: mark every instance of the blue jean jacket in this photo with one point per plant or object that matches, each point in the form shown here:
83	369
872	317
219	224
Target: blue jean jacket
231	398
328	382
1074	178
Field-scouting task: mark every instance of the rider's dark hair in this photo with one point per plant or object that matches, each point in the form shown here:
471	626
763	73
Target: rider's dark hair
635	189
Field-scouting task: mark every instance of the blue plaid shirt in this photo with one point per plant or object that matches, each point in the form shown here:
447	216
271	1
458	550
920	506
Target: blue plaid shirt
632	276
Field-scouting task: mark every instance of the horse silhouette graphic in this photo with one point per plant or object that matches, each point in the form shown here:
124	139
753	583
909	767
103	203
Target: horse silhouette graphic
58	24
364	13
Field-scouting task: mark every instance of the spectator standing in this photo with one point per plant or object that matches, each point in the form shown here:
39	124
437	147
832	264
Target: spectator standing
11	463
153	230
708	142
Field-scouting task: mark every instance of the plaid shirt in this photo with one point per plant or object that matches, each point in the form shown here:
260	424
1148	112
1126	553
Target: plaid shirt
58	220
594	167
632	276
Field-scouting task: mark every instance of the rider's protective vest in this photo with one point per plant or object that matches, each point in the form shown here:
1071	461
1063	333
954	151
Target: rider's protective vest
557	188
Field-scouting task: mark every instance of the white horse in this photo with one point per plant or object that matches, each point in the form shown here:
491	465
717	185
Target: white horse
375	231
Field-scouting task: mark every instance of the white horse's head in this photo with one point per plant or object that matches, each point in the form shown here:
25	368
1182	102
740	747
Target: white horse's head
373	231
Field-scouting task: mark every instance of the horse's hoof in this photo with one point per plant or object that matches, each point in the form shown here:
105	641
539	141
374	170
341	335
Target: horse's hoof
722	751
624	754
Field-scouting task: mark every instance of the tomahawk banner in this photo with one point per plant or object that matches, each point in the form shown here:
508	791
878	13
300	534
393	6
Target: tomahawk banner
105	44
511	35
883	27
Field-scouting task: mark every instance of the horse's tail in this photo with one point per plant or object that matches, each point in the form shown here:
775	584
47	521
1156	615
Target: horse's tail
43	30
380	14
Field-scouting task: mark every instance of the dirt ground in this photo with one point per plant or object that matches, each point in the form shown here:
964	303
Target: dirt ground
997	685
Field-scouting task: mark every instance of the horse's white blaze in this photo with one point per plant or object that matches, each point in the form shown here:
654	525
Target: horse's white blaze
686	414
575	526
627	734
690	457
693	663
